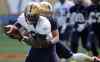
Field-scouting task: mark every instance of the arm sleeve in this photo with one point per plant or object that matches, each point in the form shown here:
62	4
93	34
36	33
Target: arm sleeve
18	25
19	21
54	25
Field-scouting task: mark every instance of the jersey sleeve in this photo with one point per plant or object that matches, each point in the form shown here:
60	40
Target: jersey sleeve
18	25
20	21
54	25
44	26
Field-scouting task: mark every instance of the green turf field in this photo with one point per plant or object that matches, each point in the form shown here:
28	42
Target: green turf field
11	50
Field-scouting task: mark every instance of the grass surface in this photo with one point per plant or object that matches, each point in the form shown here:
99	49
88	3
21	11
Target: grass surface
8	45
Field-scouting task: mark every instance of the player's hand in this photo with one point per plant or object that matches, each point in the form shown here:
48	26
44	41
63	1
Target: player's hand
41	40
27	40
96	59
12	32
36	40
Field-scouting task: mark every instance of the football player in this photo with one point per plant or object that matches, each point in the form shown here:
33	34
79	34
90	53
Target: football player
61	8
80	15
96	9
31	57
61	50
39	28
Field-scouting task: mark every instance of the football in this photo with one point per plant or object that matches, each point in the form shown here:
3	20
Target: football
12	31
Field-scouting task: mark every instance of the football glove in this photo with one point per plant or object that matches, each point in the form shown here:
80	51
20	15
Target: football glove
37	40
12	32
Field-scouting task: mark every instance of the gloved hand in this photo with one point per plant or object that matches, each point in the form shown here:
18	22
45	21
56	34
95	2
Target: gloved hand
43	41
12	32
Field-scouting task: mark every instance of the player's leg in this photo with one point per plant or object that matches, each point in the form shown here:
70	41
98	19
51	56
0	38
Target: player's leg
97	32
88	37
80	57
85	39
42	55
62	51
93	45
74	41
67	33
30	57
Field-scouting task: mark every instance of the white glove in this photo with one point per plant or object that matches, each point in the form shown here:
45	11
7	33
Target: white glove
63	28
81	27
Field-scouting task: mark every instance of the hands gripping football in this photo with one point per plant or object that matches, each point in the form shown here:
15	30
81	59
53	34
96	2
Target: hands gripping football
30	38
36	40
12	32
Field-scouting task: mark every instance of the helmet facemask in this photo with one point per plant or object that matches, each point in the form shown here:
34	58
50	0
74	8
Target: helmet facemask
32	19
32	14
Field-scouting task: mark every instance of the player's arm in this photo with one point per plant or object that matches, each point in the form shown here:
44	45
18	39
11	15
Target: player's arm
55	35
20	21
13	30
54	29
18	25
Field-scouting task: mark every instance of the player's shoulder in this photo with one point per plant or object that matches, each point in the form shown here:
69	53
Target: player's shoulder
52	20
21	18
73	8
44	19
44	25
92	8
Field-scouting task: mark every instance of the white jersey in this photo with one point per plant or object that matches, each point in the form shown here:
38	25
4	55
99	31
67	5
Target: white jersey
43	25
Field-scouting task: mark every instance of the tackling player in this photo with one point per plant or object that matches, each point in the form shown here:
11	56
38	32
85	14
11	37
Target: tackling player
61	50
